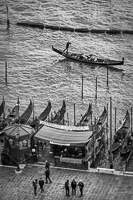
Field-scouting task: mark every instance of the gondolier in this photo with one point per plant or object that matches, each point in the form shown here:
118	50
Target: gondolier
89	59
67	46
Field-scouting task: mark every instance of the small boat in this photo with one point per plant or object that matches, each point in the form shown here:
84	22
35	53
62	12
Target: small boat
23	119
42	117
90	59
86	117
121	133
59	116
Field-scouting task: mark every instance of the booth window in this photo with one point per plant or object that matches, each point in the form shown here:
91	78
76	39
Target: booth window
25	143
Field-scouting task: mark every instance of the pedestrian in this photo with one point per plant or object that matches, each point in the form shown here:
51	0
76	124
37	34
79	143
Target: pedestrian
35	186
81	185
67	188
67	46
47	164
73	186
41	184
47	174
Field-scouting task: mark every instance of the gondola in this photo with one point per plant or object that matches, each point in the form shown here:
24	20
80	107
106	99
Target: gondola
127	146
42	117
121	133
2	106
102	118
90	59
59	116
23	119
86	117
13	114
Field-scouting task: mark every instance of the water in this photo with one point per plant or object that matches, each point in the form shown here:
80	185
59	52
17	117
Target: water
31	73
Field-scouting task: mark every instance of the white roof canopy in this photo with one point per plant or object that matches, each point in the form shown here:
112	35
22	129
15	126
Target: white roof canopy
63	137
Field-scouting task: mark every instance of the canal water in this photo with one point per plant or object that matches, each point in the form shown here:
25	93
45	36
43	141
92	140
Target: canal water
32	73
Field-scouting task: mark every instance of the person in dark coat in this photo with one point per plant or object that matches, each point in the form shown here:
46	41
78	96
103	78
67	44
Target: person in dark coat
81	185
67	46
47	165
73	186
47	174
35	186
41	184
67	188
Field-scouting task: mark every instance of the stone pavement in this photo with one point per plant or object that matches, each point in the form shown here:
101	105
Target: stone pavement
98	186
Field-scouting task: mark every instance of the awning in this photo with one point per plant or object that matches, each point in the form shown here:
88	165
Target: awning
63	137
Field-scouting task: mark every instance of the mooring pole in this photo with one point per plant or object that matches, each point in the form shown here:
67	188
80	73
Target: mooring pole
68	119
131	120
115	119
33	112
91	115
82	86
8	22
107	125
6	72
111	156
107	75
74	114
96	89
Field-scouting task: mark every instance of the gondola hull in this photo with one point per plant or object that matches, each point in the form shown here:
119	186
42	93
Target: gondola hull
82	59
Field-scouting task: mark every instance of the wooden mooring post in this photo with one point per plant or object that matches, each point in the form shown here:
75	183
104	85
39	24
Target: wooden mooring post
131	120
111	155
107	126
115	119
74	115
96	89
82	88
6	72
107	76
8	22
67	119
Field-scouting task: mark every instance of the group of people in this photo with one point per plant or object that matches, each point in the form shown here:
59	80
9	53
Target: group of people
74	187
41	181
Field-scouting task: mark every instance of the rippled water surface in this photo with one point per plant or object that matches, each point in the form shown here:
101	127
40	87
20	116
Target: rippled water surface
31	72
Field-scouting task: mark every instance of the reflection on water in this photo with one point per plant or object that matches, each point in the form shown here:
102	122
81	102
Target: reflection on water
31	73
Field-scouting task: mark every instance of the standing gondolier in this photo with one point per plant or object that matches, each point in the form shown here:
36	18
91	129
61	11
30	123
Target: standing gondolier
67	46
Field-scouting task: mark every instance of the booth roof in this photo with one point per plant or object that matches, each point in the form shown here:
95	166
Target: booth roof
22	130
63	137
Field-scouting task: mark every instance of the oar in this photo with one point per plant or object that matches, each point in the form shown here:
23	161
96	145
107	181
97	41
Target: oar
59	58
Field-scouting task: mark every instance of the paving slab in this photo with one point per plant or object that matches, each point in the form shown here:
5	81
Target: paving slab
98	186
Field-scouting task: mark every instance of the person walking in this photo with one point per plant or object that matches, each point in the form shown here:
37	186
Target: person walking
47	174
81	185
67	188
35	186
47	165
73	186
41	184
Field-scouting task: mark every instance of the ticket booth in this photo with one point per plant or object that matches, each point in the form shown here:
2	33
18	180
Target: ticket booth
17	142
